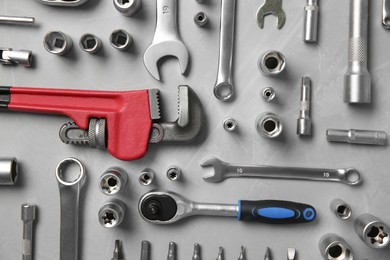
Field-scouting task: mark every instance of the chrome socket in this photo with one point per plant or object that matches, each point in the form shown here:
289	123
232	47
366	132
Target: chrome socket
333	247
8	56
268	94
311	22
121	40
90	43
9	171
128	8
269	125
57	42
341	209
272	63
201	19
146	177
354	136
372	231
174	173
230	125
112	213
112	181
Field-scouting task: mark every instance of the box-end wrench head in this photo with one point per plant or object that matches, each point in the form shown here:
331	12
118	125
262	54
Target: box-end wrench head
166	41
273	7
69	199
223	170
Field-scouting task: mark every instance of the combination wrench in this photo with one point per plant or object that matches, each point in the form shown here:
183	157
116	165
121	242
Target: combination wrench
223	89
69	198
223	170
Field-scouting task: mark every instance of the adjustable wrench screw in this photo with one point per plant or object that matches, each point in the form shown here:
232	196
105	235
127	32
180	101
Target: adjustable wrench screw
28	217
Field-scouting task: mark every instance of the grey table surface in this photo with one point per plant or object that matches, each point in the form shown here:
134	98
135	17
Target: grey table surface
33	139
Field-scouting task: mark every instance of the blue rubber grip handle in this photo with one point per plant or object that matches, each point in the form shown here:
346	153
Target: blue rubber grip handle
275	212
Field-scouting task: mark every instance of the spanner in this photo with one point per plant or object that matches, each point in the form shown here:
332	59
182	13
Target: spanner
223	89
69	198
223	170
166	207
273	7
166	41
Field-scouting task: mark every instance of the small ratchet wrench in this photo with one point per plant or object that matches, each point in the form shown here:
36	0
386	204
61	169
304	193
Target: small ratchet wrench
166	207
69	198
223	170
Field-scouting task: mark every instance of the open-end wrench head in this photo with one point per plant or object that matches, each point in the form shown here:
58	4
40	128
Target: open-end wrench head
273	7
217	174
157	51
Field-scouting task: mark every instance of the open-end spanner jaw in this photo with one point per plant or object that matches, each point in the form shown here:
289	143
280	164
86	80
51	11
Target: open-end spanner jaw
166	41
273	7
188	125
218	172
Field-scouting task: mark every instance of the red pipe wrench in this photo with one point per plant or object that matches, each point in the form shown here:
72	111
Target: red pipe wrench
122	121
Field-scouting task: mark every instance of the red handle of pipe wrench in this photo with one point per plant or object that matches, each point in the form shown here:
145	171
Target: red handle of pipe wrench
127	113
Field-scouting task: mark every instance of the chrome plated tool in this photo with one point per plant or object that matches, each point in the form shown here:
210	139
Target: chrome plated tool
273	7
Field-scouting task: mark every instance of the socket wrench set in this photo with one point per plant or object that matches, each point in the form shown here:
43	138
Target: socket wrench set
130	126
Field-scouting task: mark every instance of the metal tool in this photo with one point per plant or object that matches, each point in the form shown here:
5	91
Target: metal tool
223	88
174	173
386	14
310	31
269	125
69	199
121	40
90	43
273	7
166	207
117	254
341	209
223	170
67	3
267	254
16	19
291	252
304	120
242	254
9	171
8	56
272	63
200	1
28	217
146	177
354	136
333	247
128	7
57	42
230	124
172	255
123	121
166	41
357	80
372	231
145	250
112	181
201	19
112	213
268	94
196	255
220	254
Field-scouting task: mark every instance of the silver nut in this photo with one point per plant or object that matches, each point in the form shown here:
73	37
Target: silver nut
112	181
268	94
174	173
146	177
201	19
127	7
121	40
57	42
269	125
90	43
341	209
112	213
230	124
272	63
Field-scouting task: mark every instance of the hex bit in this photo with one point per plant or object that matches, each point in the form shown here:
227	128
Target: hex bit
28	217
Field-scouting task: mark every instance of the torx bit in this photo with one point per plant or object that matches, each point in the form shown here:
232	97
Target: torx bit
242	254
196	255
220	254
304	120
145	250
290	253
117	255
28	217
172	251
267	254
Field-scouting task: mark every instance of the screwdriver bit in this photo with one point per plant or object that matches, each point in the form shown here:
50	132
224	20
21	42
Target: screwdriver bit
220	254
196	255
242	254
290	253
172	251
145	250
28	217
117	255
267	254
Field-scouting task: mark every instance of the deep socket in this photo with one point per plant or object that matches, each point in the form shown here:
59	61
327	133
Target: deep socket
311	21
304	120
353	136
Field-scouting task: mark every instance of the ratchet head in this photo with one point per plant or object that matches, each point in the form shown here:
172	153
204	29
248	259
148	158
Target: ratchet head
163	207
218	173
156	51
